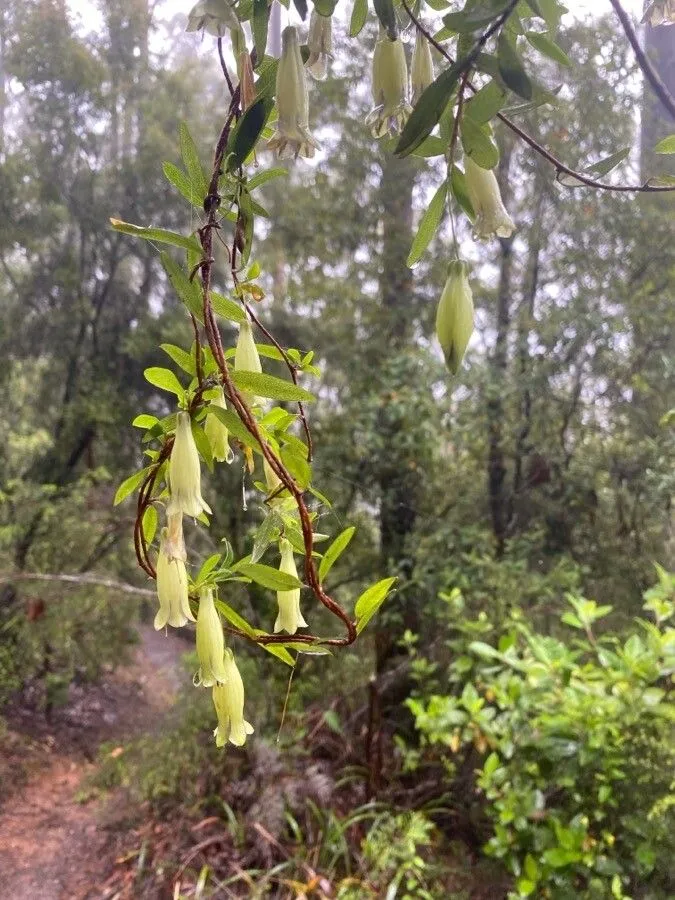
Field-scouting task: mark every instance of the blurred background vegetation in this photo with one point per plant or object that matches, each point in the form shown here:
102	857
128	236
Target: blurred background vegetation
496	734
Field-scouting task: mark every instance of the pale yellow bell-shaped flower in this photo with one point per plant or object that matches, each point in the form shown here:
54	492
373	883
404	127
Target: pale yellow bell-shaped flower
289	618
185	472
660	12
217	434
210	641
247	89
214	16
272	480
486	199
454	316
320	45
174	543
228	699
390	88
421	67
172	589
246	357
292	138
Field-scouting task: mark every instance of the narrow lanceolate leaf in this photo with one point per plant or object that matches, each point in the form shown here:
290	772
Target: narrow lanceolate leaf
150	521
485	105
267	531
476	18
164	379
428	225
460	192
145	421
270	386
228	309
263	177
298	466
478	144
332	554
190	157
359	16
428	110
188	291
370	601
667	145
384	9
129	485
301	6
259	26
161	235
511	68
182	358
547	47
604	166
182	183
267	577
236	427
202	444
247	132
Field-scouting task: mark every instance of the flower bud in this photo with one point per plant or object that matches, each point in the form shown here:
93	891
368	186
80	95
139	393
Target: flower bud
246	357
486	199
217	433
174	543
660	12
228	699
422	67
293	137
214	16
184	472
320	45
289	618
390	88
210	641
172	589
454	317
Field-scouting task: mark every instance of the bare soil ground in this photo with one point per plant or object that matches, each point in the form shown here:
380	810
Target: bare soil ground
54	843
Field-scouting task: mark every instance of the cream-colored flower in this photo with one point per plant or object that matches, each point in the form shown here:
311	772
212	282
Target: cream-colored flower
486	199
320	45
228	698
172	589
421	68
246	357
390	88
174	543
272	480
210	641
185	472
660	12
289	618
214	16
217	433
292	138
454	316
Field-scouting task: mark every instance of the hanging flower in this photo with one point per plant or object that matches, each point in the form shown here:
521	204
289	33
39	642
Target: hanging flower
172	589
660	12
486	199
246	81
228	698
422	67
272	480
293	137
454	317
390	88
217	433
214	16
246	357
210	641
320	45
174	543
185	473
289	618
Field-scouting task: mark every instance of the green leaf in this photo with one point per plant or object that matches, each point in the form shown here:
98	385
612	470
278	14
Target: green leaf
308	649
662	181
182	183
266	84
269	386
150	520
298	466
475	18
359	16
161	235
145	421
263	177
207	567
266	532
259	23
460	192
301	6
667	145
605	165
428	110
188	291
129	485
332	554
228	309
235	619
164	379
267	577
325	8
248	129
545	45
384	10
184	360
202	442
485	105
190	156
428	225
370	601
511	68
235	426
478	144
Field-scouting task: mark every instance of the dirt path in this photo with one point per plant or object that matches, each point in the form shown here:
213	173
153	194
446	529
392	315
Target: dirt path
52	845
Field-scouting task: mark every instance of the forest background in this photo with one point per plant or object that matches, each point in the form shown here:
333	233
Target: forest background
497	733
